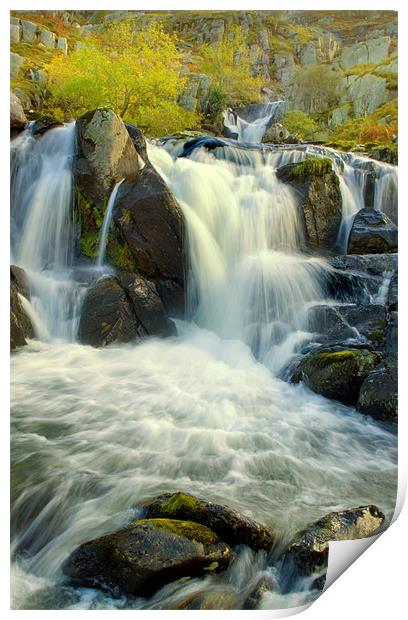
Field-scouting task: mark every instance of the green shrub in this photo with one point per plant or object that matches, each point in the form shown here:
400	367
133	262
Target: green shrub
300	123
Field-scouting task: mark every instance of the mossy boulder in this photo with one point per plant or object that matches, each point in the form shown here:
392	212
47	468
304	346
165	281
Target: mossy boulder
120	309
317	188
337	373
140	558
309	550
372	232
232	526
378	395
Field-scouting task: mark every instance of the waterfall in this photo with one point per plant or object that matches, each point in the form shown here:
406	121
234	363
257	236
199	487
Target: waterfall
106	224
249	280
386	190
43	230
252	131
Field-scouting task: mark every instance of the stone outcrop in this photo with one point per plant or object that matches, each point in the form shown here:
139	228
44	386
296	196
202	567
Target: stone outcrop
121	309
20	325
319	198
372	232
17	117
16	62
196	93
378	395
148	553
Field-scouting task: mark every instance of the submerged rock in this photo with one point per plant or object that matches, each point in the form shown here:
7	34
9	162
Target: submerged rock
121	309
217	598
309	550
378	395
232	526
320	203
372	232
337	373
140	558
105	155
265	584
20	324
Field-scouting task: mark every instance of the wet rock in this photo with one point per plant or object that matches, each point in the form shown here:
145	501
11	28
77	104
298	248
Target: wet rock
276	134
105	155
372	232
150	221
378	395
217	598
368	264
309	549
20	325
340	322
44	124
337	372
121	309
265	584
17	117
145	555
228	524
385	153
391	333
147	304
319	198
139	141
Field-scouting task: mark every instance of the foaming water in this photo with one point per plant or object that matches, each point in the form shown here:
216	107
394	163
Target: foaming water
248	280
108	428
43	230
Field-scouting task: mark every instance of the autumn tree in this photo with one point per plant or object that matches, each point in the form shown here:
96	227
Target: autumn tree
229	65
135	72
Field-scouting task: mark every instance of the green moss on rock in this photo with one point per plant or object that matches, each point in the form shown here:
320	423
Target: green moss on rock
188	529
314	166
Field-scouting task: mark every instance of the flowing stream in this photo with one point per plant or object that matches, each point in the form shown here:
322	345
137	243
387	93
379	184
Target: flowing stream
95	431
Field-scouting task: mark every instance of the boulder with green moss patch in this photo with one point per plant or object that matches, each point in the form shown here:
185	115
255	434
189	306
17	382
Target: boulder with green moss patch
317	188
337	373
378	395
148	553
232	526
308	552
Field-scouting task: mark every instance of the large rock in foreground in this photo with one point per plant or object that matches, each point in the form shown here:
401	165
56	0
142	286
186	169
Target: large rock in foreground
230	525
318	191
309	550
105	155
337	373
372	233
140	558
121	309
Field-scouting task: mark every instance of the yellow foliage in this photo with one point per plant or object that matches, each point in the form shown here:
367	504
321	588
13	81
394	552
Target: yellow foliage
124	69
229	65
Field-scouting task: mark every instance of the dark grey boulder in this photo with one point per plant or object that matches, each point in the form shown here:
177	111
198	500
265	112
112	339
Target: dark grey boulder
122	309
230	525
372	232
20	324
142	557
308	552
378	395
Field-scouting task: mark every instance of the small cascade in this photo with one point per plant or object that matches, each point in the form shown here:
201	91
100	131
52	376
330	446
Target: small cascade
386	190
106	225
43	230
382	294
252	131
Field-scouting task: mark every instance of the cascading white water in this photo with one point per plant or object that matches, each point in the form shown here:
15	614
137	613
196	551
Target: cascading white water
249	280
43	225
252	132
386	190
97	431
106	224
